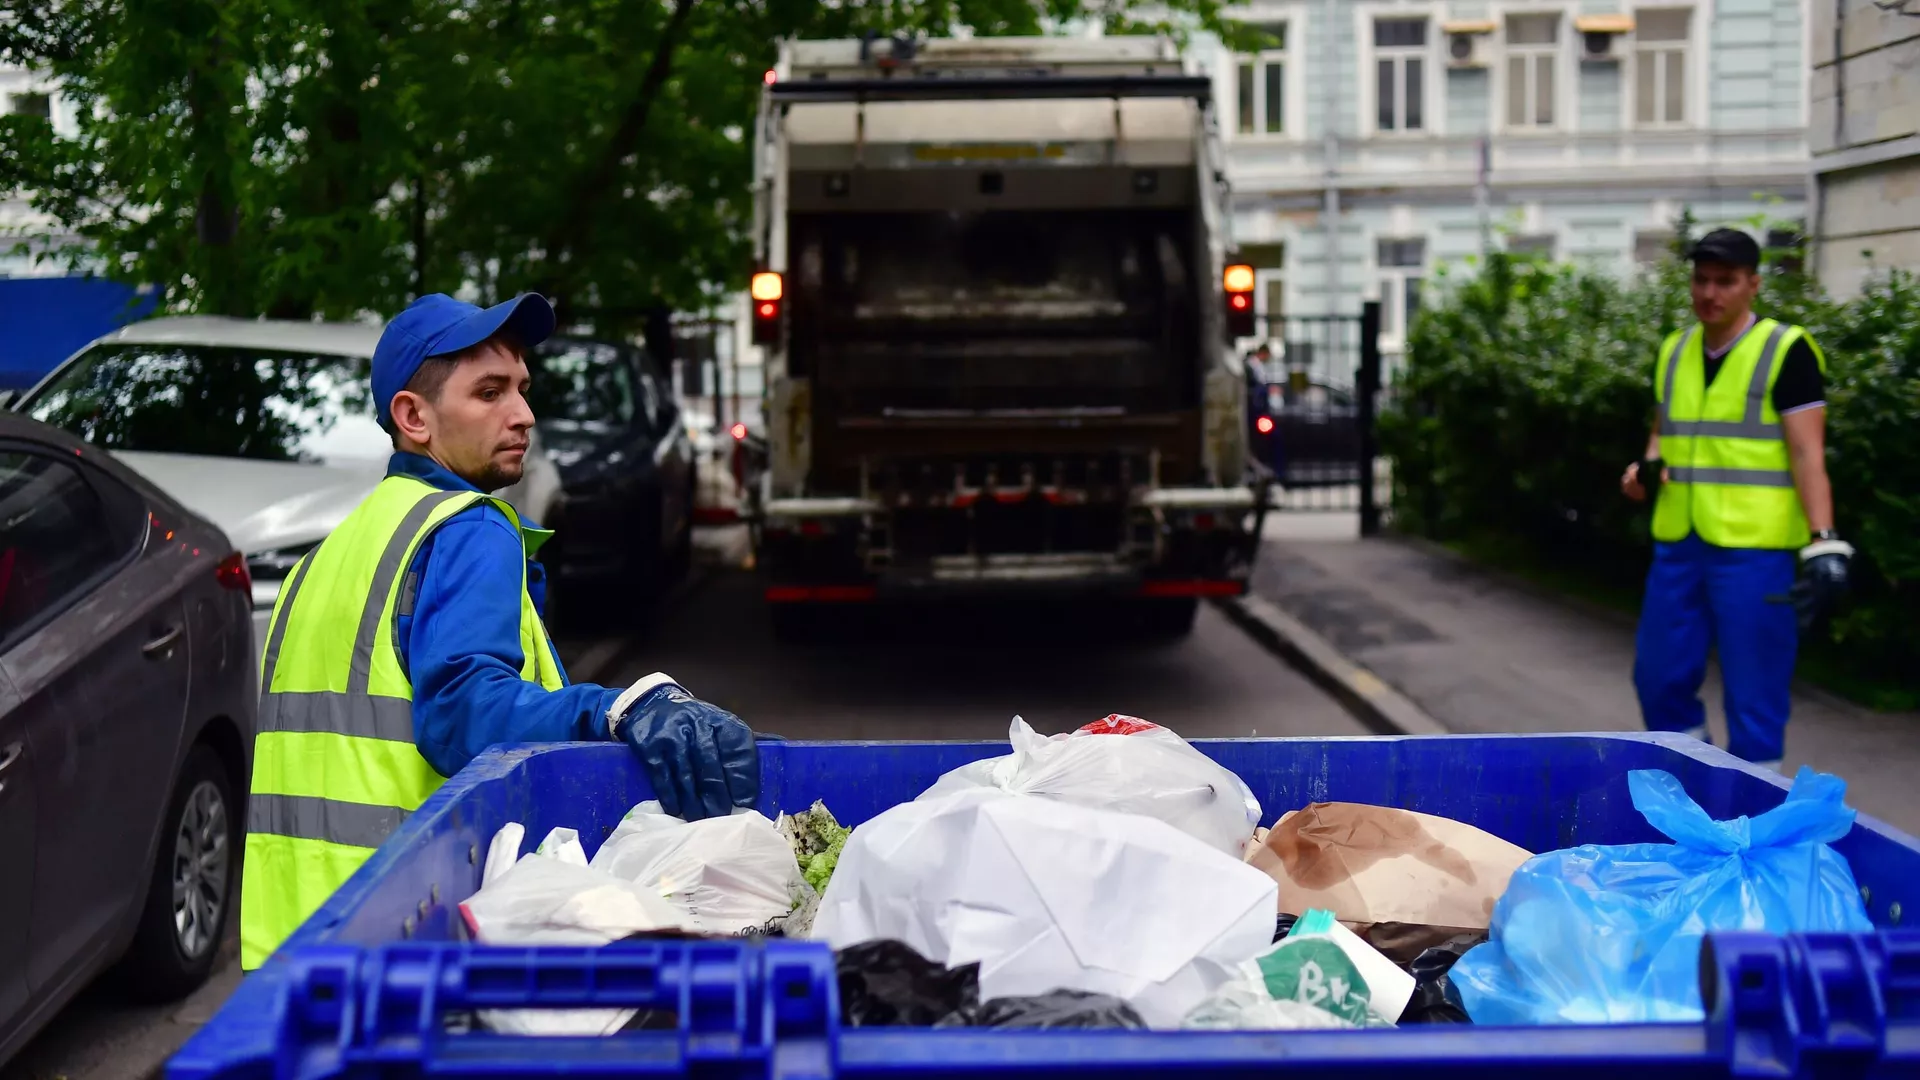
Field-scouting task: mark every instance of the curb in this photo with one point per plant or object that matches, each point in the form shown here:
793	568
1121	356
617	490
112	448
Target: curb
1371	701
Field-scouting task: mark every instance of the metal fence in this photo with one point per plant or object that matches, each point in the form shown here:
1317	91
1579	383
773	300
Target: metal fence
1313	386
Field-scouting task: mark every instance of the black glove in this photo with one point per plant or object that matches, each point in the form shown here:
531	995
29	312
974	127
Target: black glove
701	758
1651	472
1823	584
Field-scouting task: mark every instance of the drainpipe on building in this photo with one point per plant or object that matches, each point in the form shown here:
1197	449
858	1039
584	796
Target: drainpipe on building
1482	197
1330	210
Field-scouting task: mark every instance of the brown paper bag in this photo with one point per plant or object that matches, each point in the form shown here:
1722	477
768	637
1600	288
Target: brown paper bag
1376	864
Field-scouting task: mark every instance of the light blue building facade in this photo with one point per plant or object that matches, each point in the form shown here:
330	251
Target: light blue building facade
1579	129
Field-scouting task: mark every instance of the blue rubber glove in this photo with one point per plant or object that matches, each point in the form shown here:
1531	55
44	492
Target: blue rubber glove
700	757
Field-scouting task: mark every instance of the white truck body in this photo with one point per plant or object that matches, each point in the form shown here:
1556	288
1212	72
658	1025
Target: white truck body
1001	357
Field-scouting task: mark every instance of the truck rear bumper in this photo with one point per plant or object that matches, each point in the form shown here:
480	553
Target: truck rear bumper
1009	575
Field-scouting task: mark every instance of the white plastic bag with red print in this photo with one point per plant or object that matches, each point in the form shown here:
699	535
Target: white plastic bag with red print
1121	763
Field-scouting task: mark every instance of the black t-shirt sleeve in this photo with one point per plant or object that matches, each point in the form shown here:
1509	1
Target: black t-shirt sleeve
1799	382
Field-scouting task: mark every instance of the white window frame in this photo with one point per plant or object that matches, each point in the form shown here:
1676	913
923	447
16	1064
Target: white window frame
1294	83
1392	282
1694	63
1432	70
1566	109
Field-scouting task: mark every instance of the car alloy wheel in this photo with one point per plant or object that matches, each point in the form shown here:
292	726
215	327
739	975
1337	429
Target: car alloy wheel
202	859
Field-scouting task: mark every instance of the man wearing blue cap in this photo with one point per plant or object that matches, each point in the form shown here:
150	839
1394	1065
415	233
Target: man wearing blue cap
411	639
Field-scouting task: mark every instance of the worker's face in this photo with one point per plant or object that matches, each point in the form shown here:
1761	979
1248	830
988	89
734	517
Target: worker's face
1723	294
478	426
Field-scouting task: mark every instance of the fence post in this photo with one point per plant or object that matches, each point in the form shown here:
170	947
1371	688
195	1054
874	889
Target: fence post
1368	385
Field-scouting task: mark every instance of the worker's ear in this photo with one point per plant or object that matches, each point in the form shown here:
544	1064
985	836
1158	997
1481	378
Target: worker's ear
410	422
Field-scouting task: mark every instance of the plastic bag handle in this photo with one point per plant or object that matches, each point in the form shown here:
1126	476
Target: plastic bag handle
733	1002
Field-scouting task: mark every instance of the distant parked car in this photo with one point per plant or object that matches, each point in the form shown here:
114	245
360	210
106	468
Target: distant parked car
610	422
265	427
1309	437
127	698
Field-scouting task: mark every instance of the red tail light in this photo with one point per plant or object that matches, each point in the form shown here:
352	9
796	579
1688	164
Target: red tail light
739	431
1264	425
232	573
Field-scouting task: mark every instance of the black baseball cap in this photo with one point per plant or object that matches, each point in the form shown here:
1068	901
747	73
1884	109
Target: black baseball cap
1729	246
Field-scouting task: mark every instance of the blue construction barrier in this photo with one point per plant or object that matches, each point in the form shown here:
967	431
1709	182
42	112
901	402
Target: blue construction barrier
44	320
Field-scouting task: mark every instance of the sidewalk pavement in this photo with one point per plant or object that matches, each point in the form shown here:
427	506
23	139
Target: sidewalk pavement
1479	652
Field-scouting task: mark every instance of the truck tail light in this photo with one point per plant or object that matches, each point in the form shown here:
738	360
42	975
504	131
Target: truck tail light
768	292
1238	281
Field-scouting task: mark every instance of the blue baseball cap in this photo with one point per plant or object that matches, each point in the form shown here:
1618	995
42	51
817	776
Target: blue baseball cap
437	325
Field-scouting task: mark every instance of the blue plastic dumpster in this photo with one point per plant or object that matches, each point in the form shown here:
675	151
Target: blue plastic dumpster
366	987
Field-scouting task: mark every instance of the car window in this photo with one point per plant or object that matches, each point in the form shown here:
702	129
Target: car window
55	538
218	401
582	385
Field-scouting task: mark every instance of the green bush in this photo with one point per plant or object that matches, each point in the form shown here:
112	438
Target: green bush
1529	386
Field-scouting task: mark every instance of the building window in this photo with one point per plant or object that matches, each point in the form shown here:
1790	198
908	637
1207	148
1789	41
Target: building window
1400	52
1788	247
1540	244
1660	66
1533	50
39	105
1402	264
1263	82
1651	246
1269	263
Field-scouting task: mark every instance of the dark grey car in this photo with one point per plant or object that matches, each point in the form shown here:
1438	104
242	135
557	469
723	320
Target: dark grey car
127	698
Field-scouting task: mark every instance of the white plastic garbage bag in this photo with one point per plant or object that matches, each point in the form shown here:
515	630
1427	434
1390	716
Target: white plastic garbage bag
1048	895
1141	768
553	900
726	875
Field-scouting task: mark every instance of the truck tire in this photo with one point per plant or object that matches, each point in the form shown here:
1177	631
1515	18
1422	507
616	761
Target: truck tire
1168	620
179	937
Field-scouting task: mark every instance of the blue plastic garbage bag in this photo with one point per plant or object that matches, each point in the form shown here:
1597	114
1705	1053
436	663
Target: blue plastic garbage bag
1594	935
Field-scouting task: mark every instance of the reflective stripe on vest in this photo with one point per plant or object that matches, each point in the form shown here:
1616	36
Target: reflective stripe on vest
335	767
1731	479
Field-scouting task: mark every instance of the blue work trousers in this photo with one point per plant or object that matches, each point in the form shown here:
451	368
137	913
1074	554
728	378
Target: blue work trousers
1700	596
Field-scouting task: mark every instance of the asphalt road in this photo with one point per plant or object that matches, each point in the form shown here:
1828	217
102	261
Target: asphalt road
929	673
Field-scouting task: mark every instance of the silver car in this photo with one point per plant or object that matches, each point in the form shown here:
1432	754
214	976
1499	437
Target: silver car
127	697
265	427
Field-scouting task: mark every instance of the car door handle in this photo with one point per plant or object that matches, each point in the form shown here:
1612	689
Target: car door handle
159	647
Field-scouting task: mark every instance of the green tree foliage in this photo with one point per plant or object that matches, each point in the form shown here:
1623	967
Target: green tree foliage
1529	386
331	157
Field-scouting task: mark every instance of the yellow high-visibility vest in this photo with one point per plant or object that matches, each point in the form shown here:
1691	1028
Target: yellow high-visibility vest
1732	481
335	770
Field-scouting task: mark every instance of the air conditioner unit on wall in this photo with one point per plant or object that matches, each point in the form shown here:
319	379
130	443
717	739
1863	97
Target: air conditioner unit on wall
1467	43
1600	36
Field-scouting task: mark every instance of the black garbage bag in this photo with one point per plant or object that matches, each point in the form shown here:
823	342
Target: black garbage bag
1435	1000
1283	925
1059	1009
887	984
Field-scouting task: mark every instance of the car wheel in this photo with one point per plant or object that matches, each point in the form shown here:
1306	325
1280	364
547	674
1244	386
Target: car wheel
191	891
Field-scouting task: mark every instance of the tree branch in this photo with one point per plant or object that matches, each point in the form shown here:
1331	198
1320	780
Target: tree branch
571	235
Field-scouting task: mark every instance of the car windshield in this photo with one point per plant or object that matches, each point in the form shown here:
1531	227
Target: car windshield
581	386
218	401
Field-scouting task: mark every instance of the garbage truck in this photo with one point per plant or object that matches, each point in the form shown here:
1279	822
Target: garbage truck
997	308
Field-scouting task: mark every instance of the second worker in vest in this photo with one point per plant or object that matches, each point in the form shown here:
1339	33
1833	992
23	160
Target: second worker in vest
1741	498
411	639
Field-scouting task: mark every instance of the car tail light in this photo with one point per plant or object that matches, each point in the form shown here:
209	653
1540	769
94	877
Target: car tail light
739	432
1264	425
232	573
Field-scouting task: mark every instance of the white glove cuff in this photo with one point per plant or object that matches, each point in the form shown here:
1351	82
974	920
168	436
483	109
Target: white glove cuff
618	710
1826	547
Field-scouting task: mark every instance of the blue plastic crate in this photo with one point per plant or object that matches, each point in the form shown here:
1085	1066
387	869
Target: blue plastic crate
364	988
